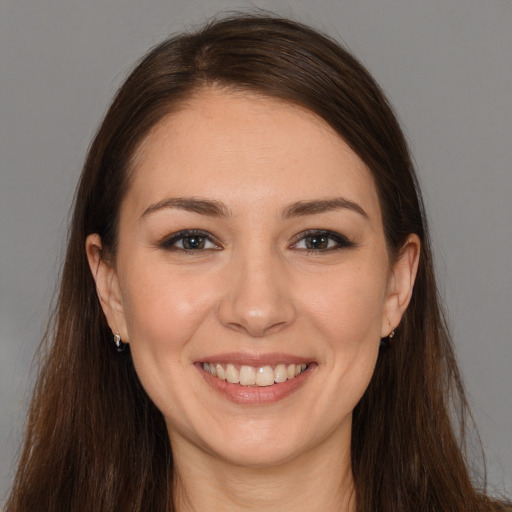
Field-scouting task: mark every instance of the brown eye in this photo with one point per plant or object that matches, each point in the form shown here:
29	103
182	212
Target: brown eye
317	242
193	242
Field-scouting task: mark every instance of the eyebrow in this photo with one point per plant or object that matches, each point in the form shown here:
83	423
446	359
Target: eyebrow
202	206
214	208
302	208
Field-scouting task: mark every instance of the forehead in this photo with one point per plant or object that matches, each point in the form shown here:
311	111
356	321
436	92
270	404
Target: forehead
244	147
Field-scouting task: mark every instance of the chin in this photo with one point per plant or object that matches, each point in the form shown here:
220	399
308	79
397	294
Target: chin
258	445
260	455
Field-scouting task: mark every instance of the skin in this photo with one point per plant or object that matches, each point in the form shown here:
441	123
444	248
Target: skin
254	289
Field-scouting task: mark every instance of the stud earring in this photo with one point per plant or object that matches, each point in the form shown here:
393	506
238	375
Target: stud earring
120	346
385	342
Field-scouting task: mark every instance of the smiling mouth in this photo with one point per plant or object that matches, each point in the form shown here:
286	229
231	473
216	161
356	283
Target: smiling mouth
257	376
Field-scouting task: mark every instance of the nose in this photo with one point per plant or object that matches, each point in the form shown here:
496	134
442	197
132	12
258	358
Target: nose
258	299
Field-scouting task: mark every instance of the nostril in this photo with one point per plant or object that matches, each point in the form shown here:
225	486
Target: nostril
255	303
256	331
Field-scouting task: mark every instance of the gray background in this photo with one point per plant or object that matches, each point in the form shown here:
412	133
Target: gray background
447	67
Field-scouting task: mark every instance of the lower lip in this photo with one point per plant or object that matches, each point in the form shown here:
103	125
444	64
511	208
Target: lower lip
257	395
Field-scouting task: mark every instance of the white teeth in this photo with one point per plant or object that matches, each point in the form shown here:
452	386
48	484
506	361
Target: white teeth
220	372
299	368
232	374
280	373
254	376
247	376
265	376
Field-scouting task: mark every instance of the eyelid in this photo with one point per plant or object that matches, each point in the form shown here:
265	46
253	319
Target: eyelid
342	242
168	242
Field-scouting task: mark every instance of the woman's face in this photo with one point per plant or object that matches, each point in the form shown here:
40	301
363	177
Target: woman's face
251	249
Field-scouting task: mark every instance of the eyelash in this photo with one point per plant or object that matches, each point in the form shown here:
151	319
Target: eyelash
170	243
341	241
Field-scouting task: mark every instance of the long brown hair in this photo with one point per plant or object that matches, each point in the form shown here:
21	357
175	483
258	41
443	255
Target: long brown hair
94	439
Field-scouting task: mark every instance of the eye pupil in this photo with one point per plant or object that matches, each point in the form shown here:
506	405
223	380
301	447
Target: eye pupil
317	242
194	242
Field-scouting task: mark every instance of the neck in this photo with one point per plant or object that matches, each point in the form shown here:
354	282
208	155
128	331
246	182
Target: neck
315	481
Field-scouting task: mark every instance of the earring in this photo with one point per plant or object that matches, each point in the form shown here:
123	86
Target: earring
120	346
385	342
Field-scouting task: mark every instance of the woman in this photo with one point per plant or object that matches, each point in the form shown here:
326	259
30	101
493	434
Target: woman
248	313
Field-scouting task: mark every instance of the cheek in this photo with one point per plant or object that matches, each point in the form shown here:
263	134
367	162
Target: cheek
163	308
347	311
348	306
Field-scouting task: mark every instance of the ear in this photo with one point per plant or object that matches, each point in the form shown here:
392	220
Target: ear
401	284
107	286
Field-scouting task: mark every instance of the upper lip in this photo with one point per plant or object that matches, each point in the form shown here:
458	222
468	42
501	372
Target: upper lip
239	358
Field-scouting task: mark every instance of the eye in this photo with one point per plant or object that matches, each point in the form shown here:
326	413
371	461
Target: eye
321	241
189	241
